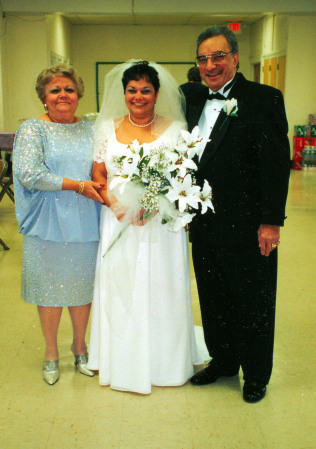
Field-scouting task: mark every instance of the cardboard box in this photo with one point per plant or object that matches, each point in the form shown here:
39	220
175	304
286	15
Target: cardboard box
299	130
298	143
297	165
309	141
312	119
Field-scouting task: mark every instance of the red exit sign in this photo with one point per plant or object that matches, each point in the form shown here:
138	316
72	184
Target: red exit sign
235	27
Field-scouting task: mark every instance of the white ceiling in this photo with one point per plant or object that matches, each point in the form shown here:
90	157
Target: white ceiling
158	12
160	19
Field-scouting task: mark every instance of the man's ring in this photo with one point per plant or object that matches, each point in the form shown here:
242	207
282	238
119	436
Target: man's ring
274	245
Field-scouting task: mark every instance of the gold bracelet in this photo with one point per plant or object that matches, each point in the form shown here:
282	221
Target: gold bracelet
81	187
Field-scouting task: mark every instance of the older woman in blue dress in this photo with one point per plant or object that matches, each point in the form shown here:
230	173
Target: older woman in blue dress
57	212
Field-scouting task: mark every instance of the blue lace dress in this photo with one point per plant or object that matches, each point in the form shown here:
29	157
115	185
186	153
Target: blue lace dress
60	228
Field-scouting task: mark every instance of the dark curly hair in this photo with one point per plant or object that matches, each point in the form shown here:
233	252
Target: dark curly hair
141	70
194	75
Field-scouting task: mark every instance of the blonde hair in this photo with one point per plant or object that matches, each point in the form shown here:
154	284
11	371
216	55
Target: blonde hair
48	74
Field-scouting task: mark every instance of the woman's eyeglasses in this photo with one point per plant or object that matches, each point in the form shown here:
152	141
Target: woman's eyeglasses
218	56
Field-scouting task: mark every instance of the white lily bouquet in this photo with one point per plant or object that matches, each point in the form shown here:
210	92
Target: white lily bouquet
164	179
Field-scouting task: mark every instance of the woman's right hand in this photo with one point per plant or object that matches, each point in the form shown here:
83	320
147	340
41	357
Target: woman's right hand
90	190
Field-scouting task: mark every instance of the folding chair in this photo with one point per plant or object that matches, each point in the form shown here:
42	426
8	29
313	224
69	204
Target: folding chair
3	170
5	183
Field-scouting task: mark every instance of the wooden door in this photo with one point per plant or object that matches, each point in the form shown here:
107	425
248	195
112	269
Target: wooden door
281	73
266	66
273	72
256	72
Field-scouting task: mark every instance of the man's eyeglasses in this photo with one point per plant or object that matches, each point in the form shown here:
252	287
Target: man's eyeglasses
218	56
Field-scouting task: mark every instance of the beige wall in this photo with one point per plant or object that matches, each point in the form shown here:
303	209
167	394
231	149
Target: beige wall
24	54
25	48
59	36
2	31
300	95
256	41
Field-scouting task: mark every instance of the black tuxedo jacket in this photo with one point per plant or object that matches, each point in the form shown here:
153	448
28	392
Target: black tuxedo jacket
189	89
247	164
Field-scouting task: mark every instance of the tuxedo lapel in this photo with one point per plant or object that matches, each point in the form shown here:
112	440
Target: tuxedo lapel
220	128
217	135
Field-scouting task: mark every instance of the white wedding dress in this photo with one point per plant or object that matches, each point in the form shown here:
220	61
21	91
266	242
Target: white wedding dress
142	331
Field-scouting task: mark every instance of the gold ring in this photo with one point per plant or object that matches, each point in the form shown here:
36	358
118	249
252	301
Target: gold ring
273	245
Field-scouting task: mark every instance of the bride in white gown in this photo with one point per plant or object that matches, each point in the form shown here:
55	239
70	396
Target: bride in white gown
142	331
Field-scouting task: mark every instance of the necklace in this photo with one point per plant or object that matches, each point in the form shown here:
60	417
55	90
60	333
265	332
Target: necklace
141	126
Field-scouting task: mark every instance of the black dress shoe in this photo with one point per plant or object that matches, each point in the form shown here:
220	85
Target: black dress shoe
254	391
211	373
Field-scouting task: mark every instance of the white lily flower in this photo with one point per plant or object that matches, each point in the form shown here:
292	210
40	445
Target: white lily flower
129	167
181	165
157	159
181	147
194	144
184	193
117	180
198	148
171	156
168	177
135	146
230	106
132	153
206	198
181	222
190	138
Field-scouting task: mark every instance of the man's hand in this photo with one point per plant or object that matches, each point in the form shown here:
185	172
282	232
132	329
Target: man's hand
269	238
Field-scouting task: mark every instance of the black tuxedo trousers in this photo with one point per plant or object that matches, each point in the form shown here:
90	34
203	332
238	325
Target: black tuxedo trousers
237	291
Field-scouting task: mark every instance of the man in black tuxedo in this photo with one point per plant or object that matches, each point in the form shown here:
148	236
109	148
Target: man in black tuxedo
247	164
194	84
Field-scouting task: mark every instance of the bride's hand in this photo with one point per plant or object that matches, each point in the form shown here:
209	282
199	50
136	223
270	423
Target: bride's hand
91	190
139	218
143	217
119	210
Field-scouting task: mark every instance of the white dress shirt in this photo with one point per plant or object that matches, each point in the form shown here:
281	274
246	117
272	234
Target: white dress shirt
210	114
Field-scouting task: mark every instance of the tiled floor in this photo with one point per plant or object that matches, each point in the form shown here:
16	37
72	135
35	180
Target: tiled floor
78	413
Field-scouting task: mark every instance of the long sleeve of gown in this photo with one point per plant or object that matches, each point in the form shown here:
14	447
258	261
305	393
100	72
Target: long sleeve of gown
30	168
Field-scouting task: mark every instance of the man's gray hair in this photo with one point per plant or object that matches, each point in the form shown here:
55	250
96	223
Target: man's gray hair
218	30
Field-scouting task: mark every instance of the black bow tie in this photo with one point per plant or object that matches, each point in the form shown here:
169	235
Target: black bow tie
216	96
